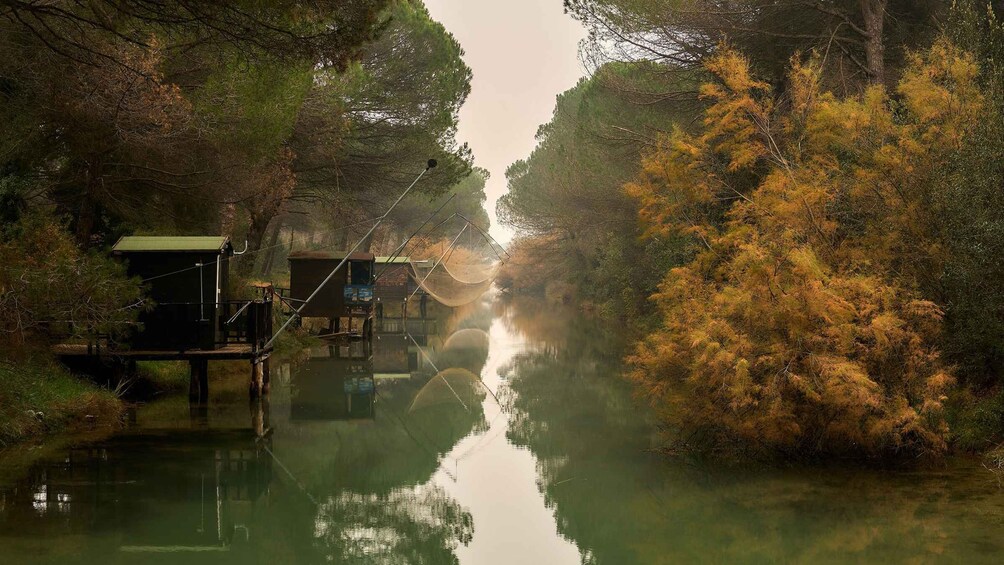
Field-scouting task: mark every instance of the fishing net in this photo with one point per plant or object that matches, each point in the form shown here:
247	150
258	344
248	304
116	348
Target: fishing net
446	289
471	338
450	386
467	349
459	270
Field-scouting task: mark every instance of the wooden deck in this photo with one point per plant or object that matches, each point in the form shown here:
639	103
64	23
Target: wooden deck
229	351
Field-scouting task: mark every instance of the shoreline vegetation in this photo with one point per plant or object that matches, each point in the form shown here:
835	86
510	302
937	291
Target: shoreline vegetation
803	242
42	399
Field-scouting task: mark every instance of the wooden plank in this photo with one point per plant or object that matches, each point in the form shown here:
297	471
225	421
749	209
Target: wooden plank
229	351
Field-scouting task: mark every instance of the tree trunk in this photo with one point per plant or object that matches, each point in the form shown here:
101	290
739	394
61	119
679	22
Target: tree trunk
873	13
88	213
266	263
256	233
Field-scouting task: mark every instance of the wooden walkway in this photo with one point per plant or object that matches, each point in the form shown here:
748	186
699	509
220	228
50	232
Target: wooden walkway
226	352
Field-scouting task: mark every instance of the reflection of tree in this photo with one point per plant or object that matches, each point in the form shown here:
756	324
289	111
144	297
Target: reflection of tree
621	503
404	526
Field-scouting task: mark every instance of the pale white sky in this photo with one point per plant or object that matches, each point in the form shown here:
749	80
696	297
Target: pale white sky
523	53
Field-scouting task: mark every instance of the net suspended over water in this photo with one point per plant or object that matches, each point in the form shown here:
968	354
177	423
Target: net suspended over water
460	272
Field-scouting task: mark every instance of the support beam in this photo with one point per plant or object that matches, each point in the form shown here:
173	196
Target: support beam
198	382
257	379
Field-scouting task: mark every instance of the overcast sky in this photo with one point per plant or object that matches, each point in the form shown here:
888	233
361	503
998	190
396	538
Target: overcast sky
523	53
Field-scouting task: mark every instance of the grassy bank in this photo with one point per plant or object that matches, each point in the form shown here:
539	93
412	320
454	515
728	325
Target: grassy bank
39	396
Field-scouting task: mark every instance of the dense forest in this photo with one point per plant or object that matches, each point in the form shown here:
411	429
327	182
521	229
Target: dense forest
284	124
796	208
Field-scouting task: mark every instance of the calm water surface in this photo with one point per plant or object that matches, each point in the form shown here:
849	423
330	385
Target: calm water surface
498	434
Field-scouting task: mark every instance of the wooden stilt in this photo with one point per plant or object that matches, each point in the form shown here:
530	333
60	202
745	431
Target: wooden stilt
257	377
193	380
258	416
203	381
266	373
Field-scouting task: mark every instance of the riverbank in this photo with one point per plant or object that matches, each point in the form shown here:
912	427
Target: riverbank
39	397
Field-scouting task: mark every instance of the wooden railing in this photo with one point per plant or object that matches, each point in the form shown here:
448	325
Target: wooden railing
193	325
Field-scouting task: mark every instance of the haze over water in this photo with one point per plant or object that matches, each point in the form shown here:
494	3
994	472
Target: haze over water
523	53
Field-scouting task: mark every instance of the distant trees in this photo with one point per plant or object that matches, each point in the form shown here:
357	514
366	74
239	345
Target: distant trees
363	134
567	193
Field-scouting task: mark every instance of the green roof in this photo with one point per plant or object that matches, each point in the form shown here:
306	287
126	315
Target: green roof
205	243
394	261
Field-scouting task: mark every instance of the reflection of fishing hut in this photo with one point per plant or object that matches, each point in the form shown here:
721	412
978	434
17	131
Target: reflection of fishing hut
192	317
336	383
349	293
206	485
394	357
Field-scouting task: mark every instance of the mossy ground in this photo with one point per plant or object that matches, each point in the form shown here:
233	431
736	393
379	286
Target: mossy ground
39	396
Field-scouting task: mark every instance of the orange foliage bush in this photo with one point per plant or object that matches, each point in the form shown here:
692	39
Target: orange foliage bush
798	328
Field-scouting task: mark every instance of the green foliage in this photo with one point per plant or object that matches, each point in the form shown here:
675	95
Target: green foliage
970	211
860	39
252	108
800	328
50	289
977	422
398	105
39	396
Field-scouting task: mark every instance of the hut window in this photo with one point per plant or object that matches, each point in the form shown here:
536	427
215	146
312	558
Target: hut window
360	273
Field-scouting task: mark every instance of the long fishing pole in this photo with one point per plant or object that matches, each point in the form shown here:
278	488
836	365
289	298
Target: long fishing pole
431	164
400	249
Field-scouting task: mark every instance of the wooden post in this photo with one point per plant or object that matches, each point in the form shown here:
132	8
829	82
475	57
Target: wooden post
193	380
198	381
257	378
260	416
266	375
204	380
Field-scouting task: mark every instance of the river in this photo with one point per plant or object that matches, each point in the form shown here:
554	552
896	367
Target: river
500	433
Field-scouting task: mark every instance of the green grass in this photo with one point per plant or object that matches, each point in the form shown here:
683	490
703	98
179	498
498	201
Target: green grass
164	376
38	396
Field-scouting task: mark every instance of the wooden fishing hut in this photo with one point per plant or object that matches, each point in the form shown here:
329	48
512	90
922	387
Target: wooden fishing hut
192	317
187	278
398	296
349	293
394	280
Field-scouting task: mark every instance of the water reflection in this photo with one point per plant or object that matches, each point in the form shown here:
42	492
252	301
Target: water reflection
620	503
335	383
503	436
335	466
157	492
